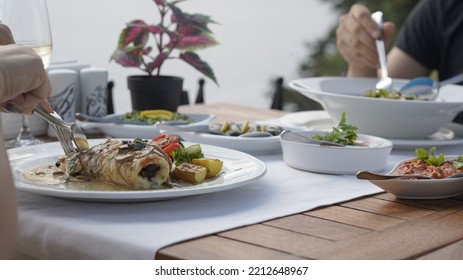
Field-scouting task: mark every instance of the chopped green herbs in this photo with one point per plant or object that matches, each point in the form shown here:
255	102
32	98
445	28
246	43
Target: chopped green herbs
149	171
181	155
343	134
71	166
458	162
388	94
136	116
135	145
430	158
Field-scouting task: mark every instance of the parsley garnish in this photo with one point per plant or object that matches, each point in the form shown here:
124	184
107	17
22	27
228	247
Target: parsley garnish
135	145
458	162
429	157
343	134
187	154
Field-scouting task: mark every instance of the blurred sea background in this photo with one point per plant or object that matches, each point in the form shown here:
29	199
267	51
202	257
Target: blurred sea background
259	41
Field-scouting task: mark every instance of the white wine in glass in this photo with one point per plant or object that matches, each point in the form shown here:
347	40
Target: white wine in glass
30	25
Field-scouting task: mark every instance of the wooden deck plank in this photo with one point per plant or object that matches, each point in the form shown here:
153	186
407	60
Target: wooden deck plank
378	227
317	227
453	251
407	240
431	204
388	208
218	248
275	238
355	217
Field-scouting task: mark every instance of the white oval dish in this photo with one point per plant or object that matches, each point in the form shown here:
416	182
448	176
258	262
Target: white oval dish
251	145
421	189
388	118
137	130
336	160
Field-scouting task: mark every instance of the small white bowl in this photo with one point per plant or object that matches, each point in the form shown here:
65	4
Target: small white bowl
422	189
333	159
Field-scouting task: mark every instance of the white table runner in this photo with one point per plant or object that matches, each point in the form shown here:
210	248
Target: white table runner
54	228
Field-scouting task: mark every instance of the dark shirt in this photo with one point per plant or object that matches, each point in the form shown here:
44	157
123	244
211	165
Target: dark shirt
433	35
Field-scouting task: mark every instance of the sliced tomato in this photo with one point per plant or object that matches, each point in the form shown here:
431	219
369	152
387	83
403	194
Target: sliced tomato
165	140
169	148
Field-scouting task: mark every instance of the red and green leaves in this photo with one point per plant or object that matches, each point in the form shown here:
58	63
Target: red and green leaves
186	33
200	65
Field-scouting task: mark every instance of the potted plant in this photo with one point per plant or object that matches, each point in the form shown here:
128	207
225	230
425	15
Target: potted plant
177	36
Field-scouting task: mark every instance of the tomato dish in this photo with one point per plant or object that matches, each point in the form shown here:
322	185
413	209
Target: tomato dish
421	167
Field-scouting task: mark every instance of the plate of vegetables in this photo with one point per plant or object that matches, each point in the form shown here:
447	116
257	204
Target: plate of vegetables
141	124
249	137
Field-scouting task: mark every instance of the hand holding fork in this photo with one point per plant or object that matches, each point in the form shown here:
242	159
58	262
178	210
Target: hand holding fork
67	133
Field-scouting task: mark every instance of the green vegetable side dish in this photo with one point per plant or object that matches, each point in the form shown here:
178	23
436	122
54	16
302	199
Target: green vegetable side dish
182	154
343	133
136	116
430	158
387	94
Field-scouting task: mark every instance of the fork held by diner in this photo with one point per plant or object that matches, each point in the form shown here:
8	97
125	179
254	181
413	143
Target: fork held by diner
418	49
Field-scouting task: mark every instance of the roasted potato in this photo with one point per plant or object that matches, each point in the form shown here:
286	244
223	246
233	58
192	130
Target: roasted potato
213	166
191	173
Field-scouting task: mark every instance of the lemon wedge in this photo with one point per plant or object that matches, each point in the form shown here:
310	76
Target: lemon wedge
245	127
157	114
225	127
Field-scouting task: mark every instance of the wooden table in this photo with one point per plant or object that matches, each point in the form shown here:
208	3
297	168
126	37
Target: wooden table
375	227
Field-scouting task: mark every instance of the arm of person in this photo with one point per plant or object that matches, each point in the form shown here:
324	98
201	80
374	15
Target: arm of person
8	214
401	65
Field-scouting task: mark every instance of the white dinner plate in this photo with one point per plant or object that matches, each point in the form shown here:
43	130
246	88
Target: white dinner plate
239	169
320	120
131	130
422	189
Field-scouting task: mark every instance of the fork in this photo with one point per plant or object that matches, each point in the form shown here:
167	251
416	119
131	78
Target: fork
385	82
67	133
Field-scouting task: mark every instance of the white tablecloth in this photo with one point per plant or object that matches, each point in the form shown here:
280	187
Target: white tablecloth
54	228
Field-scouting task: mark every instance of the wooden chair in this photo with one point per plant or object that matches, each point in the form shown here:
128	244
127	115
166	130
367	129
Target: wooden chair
289	100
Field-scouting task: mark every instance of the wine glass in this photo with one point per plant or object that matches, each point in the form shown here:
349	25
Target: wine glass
29	23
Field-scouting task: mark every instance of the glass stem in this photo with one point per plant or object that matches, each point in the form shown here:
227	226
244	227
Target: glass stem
25	132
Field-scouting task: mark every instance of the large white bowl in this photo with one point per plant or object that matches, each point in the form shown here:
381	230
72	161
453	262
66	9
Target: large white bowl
422	189
333	159
394	119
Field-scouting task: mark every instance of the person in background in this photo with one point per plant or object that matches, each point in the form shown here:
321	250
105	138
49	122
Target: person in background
430	39
24	81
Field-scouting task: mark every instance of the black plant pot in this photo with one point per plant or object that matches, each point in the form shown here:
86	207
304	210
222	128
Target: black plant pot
155	92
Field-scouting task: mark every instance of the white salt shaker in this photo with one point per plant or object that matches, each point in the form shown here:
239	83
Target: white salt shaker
71	65
93	81
64	83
